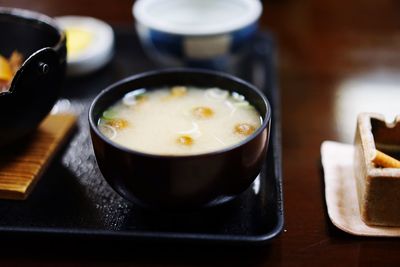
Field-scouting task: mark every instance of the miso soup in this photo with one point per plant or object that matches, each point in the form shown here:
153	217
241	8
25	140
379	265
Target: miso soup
179	120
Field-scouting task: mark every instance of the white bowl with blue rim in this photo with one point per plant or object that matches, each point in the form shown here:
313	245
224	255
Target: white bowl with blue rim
196	33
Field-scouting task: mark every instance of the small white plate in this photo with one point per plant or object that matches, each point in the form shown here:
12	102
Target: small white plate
90	43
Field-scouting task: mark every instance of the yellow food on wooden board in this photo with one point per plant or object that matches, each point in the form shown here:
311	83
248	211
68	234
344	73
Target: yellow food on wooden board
383	160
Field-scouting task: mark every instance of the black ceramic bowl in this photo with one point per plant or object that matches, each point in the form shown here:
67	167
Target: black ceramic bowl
36	86
180	181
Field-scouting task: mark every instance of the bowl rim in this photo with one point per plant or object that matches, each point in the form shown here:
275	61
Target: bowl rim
265	122
139	7
30	15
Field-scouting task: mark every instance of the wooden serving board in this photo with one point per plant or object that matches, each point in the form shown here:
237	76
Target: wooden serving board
21	165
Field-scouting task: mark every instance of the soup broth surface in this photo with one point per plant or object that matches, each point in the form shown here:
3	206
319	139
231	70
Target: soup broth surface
179	120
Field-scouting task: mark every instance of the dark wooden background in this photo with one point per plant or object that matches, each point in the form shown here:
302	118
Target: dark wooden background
336	59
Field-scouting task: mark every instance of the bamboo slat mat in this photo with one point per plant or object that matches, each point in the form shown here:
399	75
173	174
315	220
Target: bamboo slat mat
22	164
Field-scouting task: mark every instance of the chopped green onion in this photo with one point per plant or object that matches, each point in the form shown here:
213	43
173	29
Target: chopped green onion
109	114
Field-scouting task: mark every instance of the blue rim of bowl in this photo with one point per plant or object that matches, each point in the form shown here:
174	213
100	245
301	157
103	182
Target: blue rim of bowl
266	119
141	17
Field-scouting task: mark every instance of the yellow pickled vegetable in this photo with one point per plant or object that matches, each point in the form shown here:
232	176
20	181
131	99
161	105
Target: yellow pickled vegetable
78	40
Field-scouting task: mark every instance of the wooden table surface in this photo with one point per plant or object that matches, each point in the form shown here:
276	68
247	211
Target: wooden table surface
336	59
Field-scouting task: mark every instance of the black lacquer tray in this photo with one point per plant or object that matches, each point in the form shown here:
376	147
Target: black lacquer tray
73	200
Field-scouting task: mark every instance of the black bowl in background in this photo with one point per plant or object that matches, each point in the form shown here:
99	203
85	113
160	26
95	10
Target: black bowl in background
36	86
191	181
